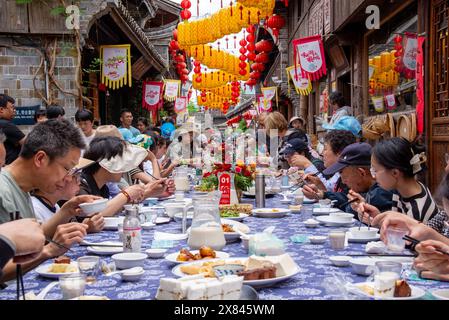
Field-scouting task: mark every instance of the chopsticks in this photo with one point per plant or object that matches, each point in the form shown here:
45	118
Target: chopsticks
415	242
58	244
348	202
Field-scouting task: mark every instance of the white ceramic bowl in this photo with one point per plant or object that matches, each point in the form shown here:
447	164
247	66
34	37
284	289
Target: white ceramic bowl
441	294
311	224
363	233
317	239
90	208
342	217
173	208
132	276
155	253
129	260
340	261
112	222
362	266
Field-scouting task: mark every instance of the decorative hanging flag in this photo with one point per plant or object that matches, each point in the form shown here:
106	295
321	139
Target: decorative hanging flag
268	94
262	106
420	86
410	51
390	101
172	88
180	104
378	103
152	95
116	66
303	86
185	89
310	53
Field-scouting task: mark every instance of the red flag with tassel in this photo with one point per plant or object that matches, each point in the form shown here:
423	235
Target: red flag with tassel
310	52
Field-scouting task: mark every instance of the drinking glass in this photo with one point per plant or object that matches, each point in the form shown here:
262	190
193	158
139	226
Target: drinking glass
120	231
385	275
88	266
337	239
395	241
72	285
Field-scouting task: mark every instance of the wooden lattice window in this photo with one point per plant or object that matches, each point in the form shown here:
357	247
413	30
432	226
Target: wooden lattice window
440	60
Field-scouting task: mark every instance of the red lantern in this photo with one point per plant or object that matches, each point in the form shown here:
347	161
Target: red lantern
185	71
243	72
264	46
184	78
398	47
398	69
398	39
197	70
185	4
181	65
262	58
276	23
251	46
186	14
371	92
242	65
398	53
251	29
243	42
174	45
242	57
258	67
255	75
175	34
198	79
398	61
242	50
180	58
196	63
250	38
251	56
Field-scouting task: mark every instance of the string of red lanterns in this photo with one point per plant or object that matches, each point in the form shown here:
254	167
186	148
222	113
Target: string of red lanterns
185	13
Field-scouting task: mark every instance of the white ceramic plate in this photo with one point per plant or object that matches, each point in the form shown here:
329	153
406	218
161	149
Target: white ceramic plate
111	223
100	250
269	213
239	218
330	222
147	225
172	256
441	294
162	220
234	236
362	240
253	283
416	292
324	211
43	271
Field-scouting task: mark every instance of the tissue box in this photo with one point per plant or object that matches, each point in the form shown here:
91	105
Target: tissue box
265	244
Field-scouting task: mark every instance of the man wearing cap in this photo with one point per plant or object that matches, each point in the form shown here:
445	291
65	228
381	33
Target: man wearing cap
297	154
354	167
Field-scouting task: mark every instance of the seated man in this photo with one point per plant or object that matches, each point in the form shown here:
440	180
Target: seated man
354	167
49	153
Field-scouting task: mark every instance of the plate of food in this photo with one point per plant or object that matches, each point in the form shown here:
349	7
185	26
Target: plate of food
103	248
230	227
61	266
271	212
257	271
402	291
204	253
236	212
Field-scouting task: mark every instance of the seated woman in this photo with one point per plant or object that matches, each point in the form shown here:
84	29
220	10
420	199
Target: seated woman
113	157
46	207
394	164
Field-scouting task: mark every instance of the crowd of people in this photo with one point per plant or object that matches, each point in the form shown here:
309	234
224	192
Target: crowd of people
58	165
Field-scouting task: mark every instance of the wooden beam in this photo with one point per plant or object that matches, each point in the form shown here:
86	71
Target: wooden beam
140	67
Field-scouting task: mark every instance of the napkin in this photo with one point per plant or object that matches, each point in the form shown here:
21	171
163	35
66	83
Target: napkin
299	238
162	244
170	236
375	247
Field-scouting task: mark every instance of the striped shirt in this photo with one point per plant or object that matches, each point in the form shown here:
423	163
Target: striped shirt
440	223
420	207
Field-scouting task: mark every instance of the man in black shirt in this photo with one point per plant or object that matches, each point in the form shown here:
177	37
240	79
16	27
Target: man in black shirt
14	137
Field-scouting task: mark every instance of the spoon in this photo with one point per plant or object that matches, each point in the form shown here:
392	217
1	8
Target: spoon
134	270
269	230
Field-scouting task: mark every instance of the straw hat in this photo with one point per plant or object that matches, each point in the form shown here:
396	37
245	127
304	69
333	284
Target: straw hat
108	131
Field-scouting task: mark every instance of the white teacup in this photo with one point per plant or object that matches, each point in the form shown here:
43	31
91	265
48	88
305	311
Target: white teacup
363	232
341	217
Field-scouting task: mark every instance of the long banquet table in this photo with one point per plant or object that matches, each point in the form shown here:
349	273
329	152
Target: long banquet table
312	283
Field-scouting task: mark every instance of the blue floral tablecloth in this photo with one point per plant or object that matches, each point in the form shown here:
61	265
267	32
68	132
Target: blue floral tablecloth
315	281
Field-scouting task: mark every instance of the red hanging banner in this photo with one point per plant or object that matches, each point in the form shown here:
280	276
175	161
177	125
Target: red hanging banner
224	185
152	95
420	86
310	53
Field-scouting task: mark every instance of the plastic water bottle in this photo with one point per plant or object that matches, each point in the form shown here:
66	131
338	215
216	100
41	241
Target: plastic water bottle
132	231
